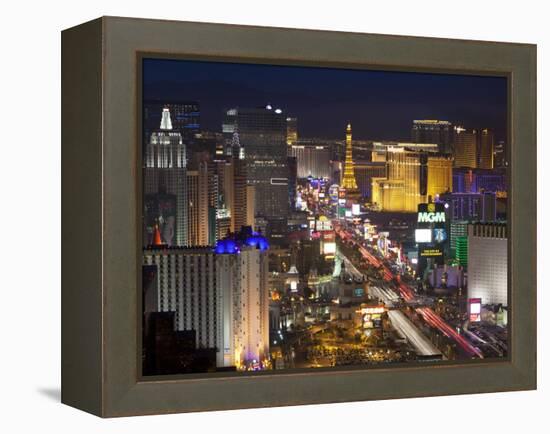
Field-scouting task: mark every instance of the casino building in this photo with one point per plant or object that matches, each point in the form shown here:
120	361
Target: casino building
488	263
220	294
241	279
165	184
412	177
262	134
311	160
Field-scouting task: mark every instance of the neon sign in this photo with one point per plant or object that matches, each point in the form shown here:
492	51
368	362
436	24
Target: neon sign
431	217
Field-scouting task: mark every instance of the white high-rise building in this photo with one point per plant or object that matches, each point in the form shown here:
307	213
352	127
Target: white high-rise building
311	160
262	132
242	282
164	178
187	286
488	263
222	295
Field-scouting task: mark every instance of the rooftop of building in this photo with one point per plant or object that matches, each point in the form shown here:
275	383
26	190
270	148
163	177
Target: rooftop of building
160	247
245	238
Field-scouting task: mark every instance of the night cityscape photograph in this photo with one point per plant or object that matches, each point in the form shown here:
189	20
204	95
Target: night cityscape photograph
310	217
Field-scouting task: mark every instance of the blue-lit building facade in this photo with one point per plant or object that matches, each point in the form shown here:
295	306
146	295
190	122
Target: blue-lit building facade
475	180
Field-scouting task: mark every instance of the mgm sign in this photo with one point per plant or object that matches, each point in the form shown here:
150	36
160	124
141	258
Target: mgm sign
431	213
431	234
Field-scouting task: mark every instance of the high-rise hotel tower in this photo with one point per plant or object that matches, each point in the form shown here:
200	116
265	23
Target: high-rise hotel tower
433	131
244	302
221	294
263	134
412	177
165	185
488	263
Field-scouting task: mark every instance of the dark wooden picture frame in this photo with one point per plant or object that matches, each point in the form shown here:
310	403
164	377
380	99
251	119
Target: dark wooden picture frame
101	194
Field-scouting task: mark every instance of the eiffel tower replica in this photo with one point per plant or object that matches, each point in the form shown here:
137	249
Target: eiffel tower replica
349	184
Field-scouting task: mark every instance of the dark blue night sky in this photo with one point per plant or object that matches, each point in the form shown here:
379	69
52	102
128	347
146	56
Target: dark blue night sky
381	105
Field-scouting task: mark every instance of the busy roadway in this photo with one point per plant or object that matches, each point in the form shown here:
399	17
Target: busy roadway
393	290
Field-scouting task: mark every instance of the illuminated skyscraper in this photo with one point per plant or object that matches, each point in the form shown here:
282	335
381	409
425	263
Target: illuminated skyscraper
499	153
458	241
214	203
197	203
407	167
223	224
233	147
263	134
485	149
225	172
244	199
433	131
412	178
379	150
186	285
465	148
348	179
465	208
365	171
291	131
488	263
185	116
221	294
250	201
236	196
312	160
242	279
440	175
204	198
471	207
165	184
477	180
389	194
292	165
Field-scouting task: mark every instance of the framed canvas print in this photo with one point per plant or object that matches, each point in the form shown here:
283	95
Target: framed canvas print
263	217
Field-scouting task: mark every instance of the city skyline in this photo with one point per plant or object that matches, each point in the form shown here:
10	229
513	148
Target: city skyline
265	250
381	104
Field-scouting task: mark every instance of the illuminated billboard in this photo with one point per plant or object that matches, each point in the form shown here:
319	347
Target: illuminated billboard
431	217
323	224
474	309
423	235
439	235
328	236
333	192
431	213
355	209
431	234
372	317
431	252
329	248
